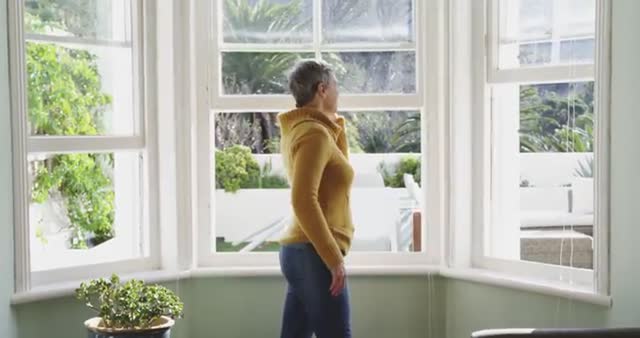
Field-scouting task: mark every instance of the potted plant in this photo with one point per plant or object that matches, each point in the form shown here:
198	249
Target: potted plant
129	310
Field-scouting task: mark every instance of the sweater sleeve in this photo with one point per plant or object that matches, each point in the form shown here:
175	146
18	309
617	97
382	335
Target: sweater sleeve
310	154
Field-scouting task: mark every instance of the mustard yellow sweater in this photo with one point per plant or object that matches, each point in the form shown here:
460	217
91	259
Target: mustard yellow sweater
315	153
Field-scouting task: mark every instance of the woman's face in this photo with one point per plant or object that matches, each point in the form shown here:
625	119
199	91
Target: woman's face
329	95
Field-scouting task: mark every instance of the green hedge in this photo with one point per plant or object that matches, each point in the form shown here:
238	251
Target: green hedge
236	169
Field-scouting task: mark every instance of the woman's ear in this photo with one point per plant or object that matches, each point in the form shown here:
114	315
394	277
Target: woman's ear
322	89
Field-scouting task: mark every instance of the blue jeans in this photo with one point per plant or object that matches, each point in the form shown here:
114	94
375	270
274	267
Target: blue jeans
309	306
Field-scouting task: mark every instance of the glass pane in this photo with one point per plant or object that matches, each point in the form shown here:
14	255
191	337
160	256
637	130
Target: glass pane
543	207
270	21
384	132
535	53
80	90
577	51
536	18
367	21
257	73
91	19
546	32
250	175
85	209
374	72
578	18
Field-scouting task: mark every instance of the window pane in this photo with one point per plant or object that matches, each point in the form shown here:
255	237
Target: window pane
79	90
545	32
578	18
536	18
91	19
85	209
270	21
543	207
257	73
535	53
367	21
374	72
250	175
577	51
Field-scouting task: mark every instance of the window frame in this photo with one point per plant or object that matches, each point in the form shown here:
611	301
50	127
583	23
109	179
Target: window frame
528	74
486	23
141	141
428	97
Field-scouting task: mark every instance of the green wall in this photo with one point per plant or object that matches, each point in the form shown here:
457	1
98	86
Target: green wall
471	306
6	216
382	307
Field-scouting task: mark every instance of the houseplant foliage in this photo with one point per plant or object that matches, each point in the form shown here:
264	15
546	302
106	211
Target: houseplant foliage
129	307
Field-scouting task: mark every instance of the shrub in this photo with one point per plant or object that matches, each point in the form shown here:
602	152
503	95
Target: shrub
129	305
236	168
269	180
395	178
65	98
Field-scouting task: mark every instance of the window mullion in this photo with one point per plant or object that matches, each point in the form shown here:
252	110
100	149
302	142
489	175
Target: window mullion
72	144
317	28
138	67
348	102
19	129
555	32
549	74
74	40
267	47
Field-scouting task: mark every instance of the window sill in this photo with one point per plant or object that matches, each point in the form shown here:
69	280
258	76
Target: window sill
68	288
472	275
564	290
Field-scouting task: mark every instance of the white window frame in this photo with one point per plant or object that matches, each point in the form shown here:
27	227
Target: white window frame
142	141
430	17
488	73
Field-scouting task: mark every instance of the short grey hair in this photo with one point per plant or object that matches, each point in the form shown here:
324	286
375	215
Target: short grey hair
305	77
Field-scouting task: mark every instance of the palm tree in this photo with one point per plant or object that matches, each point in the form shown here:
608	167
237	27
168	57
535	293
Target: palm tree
261	73
553	121
265	22
407	134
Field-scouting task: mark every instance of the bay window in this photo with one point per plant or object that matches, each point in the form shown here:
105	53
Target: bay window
146	134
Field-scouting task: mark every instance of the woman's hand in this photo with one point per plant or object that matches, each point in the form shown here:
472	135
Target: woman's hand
337	282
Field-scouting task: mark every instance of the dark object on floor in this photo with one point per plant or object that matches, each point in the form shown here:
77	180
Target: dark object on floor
558	333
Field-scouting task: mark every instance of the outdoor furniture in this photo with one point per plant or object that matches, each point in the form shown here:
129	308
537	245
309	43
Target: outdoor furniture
565	247
554	206
409	225
375	212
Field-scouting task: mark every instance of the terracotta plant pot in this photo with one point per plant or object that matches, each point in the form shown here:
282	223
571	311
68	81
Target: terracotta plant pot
160	329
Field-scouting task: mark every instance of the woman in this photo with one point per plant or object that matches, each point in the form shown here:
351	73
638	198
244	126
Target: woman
315	150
